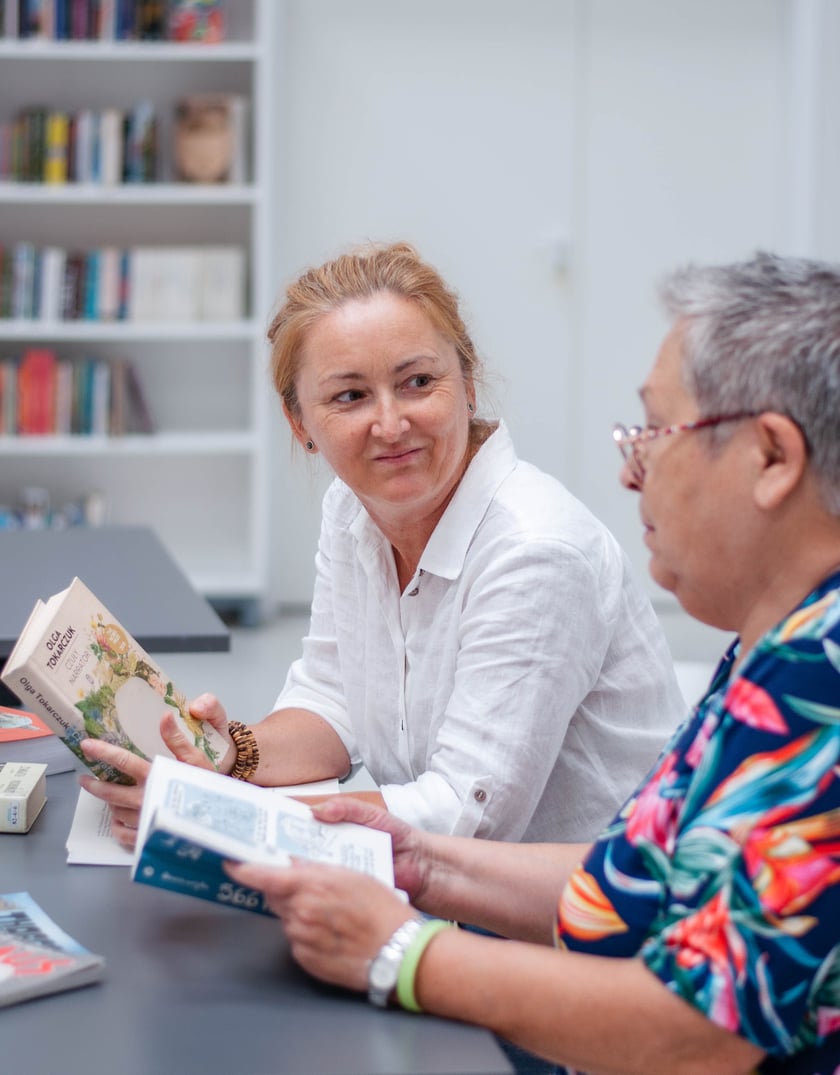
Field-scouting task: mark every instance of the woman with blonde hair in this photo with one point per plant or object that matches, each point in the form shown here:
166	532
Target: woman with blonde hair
477	639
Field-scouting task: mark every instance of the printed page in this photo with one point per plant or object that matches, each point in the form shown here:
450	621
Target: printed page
246	822
90	842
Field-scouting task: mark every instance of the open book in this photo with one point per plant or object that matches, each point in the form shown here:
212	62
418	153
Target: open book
36	955
79	669
194	819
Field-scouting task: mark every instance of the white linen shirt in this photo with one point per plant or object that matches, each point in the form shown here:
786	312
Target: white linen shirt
519	687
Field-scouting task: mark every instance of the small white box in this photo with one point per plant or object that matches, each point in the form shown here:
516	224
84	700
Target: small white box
23	792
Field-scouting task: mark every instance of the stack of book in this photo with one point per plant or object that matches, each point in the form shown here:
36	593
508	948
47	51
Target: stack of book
106	146
114	20
43	394
144	283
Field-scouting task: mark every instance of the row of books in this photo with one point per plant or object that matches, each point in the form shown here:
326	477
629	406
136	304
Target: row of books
144	283
43	145
43	394
114	20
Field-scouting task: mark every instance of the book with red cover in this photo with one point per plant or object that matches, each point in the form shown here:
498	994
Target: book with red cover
25	737
36	955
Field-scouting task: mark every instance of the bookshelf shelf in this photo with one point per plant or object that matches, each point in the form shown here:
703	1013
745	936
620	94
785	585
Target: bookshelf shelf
201	477
152	52
127	194
161	444
117	331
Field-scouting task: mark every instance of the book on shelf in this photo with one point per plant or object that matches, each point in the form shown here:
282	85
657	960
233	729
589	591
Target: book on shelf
193	820
36	391
25	737
186	283
51	292
8	397
163	284
56	154
111	146
221	283
196	20
23	792
77	667
140	150
42	394
139	415
37	956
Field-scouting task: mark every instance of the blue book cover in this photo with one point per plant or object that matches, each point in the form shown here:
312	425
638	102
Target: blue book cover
179	865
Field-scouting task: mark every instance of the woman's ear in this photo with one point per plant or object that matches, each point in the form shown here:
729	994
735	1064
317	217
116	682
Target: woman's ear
784	454
296	426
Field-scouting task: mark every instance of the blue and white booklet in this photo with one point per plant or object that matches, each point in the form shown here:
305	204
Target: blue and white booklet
193	820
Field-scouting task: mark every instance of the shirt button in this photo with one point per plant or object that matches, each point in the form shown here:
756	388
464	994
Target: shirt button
414	592
480	796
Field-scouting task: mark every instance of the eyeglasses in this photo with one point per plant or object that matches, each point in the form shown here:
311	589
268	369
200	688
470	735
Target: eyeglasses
630	441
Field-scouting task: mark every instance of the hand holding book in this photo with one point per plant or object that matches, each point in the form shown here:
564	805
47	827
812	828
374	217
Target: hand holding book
126	802
107	700
80	669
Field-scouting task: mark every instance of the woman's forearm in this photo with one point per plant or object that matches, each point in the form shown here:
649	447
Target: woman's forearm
508	888
297	746
603	1016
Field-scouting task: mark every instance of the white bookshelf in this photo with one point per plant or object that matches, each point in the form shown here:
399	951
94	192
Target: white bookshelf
201	479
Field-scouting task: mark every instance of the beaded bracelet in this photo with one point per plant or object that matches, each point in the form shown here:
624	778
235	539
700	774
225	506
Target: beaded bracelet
247	751
411	961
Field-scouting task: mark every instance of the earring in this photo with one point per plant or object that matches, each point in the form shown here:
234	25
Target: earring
310	447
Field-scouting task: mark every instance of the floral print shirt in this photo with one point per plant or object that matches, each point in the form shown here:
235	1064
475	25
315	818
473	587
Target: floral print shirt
722	872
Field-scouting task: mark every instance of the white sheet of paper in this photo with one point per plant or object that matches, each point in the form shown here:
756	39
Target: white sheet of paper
90	842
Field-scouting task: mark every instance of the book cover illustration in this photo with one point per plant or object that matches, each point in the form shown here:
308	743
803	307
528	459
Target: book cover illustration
88	678
193	820
37	956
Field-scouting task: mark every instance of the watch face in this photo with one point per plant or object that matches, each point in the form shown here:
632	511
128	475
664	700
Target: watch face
383	974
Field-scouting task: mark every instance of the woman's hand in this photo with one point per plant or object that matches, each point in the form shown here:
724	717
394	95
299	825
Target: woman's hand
412	859
207	707
335	919
126	800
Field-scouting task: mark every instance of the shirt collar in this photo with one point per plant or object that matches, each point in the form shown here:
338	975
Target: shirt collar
447	548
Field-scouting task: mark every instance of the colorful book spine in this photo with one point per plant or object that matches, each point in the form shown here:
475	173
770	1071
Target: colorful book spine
57	142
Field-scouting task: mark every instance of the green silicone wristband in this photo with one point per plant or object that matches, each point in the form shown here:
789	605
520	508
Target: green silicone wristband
411	961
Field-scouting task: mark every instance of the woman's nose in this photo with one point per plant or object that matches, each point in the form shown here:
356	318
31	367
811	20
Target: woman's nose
389	421
629	476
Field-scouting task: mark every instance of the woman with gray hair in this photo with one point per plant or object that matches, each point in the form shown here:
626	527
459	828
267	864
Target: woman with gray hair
698	933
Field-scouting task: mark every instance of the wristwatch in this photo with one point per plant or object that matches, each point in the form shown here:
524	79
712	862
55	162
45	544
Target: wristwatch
384	968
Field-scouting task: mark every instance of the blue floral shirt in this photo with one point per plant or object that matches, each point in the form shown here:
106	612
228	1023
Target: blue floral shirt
722	872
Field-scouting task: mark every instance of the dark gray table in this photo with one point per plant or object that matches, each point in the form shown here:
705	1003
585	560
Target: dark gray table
129	570
194	987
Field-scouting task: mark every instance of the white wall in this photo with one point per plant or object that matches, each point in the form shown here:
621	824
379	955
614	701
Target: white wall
553	158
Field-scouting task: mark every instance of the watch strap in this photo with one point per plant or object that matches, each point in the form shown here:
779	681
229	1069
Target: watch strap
384	968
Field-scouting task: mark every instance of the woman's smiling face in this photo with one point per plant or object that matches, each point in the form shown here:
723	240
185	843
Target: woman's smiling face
382	396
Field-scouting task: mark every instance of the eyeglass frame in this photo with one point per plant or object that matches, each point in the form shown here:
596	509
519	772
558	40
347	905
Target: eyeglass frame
627	440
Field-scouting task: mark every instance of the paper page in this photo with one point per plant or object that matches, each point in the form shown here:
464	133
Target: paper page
90	842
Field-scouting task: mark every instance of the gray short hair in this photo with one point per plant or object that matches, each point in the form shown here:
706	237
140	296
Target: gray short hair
764	335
